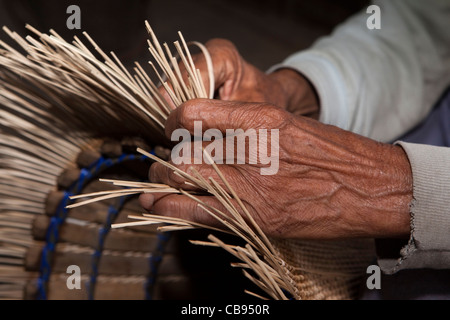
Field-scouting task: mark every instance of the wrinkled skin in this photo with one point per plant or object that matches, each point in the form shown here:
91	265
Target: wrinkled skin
331	183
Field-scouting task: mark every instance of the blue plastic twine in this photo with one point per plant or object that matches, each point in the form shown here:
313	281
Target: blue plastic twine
52	235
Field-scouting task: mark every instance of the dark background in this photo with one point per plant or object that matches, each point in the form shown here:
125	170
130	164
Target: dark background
265	31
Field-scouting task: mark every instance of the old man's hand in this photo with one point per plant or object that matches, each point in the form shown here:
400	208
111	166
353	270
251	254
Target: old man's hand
327	183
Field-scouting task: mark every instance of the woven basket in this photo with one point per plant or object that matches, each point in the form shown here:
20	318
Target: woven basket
326	270
125	264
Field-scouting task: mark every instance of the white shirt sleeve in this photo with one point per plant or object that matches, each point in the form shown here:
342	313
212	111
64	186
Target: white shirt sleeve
380	83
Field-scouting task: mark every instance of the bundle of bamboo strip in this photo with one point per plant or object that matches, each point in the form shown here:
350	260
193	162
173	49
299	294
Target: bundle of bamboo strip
57	81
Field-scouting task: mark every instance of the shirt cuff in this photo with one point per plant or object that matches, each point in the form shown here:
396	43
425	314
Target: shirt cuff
429	243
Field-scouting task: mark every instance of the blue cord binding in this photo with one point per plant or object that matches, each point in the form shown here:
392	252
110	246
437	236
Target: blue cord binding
155	261
60	216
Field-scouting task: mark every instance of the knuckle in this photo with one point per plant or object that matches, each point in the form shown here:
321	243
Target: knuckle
270	115
161	174
220	43
223	52
184	111
179	118
256	115
190	111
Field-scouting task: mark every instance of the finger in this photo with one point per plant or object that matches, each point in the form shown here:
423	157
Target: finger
161	174
205	210
166	96
225	62
182	75
183	207
227	65
222	115
146	200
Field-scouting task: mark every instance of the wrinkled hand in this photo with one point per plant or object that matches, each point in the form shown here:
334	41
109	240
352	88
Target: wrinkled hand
237	80
330	184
